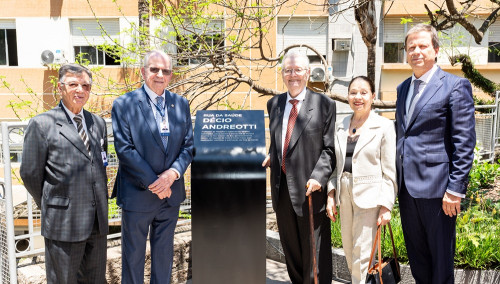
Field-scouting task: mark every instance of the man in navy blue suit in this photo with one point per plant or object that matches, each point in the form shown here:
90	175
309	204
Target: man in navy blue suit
154	143
435	146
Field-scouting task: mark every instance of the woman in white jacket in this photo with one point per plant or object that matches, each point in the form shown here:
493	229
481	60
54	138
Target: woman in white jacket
364	181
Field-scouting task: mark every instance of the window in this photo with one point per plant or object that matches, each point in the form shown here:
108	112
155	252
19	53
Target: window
8	43
494	52
195	48
394	52
314	32
394	37
494	43
94	55
93	42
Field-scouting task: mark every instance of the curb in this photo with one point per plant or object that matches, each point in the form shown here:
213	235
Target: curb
340	270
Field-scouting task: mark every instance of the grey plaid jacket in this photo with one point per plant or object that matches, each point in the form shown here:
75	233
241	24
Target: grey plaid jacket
68	185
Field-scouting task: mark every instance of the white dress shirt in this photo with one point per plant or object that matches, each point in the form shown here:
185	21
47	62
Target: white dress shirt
72	116
425	80
286	115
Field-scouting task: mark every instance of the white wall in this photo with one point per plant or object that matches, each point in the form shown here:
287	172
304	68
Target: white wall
34	35
347	65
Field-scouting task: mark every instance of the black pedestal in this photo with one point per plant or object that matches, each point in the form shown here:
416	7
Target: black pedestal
228	198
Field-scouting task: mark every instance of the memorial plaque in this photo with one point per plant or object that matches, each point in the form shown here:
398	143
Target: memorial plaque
228	198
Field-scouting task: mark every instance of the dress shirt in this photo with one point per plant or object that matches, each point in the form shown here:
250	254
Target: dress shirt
72	116
425	80
286	114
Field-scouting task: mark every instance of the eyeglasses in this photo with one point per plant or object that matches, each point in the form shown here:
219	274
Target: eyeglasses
165	72
73	85
298	71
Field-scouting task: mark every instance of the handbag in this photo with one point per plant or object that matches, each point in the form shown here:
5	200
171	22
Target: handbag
385	271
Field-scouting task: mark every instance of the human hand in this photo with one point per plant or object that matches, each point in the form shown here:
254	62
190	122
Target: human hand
331	207
384	216
312	185
267	162
161	186
451	204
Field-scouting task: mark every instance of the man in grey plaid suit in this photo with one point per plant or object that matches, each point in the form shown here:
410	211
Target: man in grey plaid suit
64	169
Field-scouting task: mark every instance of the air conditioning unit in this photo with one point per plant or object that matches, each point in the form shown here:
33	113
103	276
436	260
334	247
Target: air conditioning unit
318	73
50	57
341	44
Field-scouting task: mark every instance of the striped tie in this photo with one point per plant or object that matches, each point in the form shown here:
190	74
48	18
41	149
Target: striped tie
81	131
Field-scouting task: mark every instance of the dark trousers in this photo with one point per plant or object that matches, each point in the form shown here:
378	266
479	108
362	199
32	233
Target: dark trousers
77	262
294	234
430	238
160	224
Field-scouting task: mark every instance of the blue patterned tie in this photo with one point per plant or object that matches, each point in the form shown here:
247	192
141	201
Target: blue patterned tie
159	103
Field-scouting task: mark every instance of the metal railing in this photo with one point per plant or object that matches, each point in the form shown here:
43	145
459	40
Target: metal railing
13	247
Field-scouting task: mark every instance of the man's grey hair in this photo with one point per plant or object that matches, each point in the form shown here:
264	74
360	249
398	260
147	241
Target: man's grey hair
155	52
73	68
424	28
294	53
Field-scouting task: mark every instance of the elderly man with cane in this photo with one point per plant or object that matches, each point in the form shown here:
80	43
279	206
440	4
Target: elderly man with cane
301	156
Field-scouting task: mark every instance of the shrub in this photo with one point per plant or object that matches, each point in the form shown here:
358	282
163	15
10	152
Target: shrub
478	226
478	238
477	245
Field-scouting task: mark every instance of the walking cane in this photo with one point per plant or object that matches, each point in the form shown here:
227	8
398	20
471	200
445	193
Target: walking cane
313	242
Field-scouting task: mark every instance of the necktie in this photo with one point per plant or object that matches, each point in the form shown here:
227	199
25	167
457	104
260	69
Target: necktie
79	125
289	129
416	85
159	118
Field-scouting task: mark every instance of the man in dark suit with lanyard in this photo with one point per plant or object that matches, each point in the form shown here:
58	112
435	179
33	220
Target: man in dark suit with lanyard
301	155
64	169
154	143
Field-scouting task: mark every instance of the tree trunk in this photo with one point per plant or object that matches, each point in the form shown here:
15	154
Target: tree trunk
370	65
366	18
143	23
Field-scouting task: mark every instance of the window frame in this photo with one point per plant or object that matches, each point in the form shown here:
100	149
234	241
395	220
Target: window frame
318	32
10	45
101	56
216	29
494	54
86	33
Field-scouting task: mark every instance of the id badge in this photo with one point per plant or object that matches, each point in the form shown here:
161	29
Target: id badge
164	131
104	158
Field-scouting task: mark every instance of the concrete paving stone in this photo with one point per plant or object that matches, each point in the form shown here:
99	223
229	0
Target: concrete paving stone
276	274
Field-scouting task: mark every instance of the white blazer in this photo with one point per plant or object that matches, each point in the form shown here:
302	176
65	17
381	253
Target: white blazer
373	162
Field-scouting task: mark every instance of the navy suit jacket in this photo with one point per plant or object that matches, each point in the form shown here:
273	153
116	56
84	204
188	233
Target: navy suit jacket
140	150
435	149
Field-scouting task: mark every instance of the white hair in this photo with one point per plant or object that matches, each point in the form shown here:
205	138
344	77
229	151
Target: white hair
294	53
156	52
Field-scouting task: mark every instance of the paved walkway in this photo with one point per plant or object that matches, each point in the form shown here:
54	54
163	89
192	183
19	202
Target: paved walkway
276	274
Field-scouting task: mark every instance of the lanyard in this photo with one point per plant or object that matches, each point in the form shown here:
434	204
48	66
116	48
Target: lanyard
159	109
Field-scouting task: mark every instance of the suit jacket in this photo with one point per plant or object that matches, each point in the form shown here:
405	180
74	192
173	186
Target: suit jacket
142	156
310	154
435	149
67	184
373	162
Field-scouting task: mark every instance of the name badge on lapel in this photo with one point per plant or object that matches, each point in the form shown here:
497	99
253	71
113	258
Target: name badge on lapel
103	154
